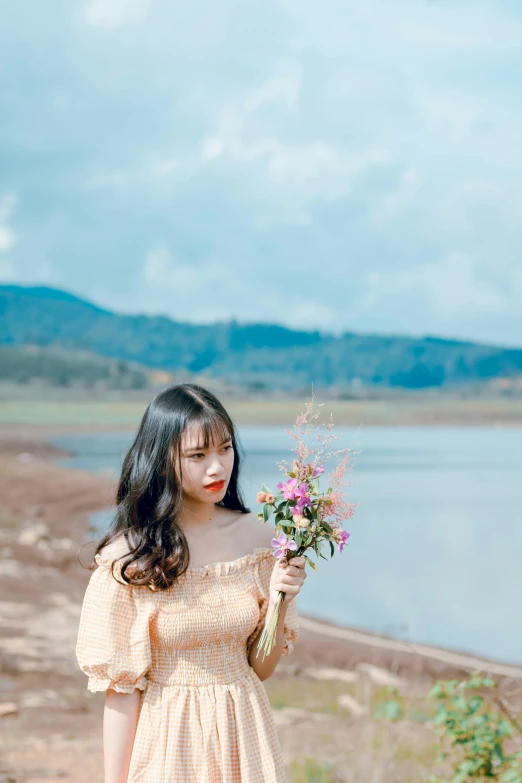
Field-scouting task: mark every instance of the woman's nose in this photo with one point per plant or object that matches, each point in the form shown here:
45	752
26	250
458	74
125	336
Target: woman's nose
215	465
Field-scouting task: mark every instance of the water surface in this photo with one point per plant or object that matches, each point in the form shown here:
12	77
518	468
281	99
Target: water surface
436	542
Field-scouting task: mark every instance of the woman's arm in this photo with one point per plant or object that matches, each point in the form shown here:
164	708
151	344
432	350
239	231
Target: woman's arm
120	718
288	577
265	668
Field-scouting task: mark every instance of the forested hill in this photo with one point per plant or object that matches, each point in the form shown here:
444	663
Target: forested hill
263	355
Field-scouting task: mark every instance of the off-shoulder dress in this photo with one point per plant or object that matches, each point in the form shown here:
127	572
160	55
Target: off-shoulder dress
204	715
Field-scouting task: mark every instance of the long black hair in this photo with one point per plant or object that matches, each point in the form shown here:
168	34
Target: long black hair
149	495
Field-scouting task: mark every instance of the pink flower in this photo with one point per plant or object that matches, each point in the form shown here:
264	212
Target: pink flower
302	497
289	489
343	538
269	498
317	470
282	544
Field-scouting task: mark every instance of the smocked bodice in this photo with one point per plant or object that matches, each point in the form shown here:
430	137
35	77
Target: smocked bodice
197	632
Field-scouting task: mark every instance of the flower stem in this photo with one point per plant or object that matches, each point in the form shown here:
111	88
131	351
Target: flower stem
268	637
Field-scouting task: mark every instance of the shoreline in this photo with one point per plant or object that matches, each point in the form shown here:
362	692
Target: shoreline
351	646
435	657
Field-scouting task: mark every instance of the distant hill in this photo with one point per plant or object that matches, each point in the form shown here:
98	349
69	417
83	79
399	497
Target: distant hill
248	355
31	365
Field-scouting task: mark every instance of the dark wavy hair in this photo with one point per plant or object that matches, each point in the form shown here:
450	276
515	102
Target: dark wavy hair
149	496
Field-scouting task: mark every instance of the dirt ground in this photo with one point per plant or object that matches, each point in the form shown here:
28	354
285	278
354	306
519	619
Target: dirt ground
323	695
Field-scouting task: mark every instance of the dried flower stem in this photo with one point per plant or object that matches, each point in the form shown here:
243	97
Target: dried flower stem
268	637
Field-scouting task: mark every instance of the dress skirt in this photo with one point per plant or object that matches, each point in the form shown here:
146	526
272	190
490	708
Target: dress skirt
204	715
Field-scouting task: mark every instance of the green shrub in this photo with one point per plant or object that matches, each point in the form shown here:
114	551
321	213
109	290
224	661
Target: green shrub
475	732
309	771
389	708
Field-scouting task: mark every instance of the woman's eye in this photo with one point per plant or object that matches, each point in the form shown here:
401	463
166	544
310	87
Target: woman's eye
200	454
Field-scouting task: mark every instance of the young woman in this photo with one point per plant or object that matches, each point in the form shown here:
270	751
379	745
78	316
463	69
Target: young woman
171	616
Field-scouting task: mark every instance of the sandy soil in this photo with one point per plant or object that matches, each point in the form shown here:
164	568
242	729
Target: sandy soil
50	726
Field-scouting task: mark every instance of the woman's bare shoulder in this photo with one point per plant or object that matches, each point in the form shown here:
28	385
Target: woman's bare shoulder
115	549
260	533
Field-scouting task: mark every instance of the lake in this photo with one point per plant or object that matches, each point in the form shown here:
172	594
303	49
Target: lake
435	551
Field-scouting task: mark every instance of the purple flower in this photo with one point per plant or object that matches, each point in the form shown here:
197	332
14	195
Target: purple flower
288	489
317	470
343	538
282	544
302	497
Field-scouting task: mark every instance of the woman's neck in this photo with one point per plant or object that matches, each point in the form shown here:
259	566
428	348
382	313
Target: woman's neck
197	516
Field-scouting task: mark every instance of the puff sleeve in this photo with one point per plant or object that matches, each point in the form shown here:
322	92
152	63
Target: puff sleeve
265	567
113	645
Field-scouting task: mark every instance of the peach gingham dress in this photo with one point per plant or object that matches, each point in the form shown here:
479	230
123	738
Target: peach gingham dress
204	714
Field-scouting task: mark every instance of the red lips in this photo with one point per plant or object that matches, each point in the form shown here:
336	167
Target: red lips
215	486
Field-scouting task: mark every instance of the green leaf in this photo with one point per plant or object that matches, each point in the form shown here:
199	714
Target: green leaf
267	510
392	710
504	728
511	776
268	491
310	563
332	549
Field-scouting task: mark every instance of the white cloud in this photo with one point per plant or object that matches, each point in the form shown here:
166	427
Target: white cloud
399	198
283	88
108	179
212	148
152	169
314	168
7	235
450	296
8	272
307	313
189	291
450	115
453	286
162	269
7	239
114	13
7	205
438	25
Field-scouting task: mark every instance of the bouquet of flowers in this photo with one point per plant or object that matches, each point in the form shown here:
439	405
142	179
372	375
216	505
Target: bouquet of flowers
306	517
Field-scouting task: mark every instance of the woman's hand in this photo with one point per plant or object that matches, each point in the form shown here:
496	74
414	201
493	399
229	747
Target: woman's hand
288	577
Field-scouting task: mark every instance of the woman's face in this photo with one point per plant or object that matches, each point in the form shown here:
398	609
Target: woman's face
205	472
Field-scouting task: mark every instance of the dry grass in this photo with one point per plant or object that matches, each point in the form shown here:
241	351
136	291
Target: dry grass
349	749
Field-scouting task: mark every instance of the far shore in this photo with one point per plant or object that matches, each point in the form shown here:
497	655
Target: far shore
64	411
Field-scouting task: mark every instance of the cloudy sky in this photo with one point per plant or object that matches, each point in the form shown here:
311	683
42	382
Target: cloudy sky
339	165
